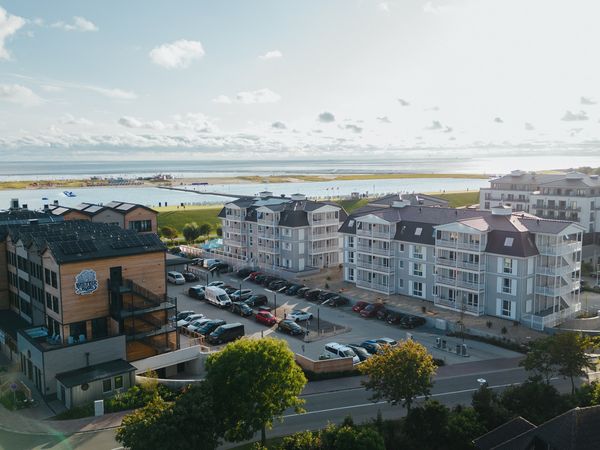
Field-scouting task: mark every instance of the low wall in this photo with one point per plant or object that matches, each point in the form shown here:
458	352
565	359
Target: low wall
592	324
194	358
325	365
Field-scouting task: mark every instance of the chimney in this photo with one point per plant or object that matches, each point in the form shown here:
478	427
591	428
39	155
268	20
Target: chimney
24	206
14	203
55	202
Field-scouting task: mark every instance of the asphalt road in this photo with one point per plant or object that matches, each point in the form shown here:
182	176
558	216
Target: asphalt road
348	398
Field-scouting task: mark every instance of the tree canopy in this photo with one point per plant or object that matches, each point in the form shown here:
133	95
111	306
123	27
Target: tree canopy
255	380
399	374
191	231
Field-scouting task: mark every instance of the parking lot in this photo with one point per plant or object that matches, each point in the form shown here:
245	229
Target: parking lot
341	324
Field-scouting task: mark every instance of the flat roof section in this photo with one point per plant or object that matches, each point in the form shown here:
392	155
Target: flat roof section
95	372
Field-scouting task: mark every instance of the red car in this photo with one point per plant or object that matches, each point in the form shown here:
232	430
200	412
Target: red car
371	310
359	306
253	275
266	318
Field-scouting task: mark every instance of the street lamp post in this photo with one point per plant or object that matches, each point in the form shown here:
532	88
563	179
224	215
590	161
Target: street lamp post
318	321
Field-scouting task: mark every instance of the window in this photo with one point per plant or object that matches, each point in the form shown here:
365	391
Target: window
48	301
506	285
401	247
401	283
401	264
55	304
140	225
54	279
119	382
417	289
506	308
351	257
508	265
418	231
417	251
350	274
417	269
508	242
106	385
472	299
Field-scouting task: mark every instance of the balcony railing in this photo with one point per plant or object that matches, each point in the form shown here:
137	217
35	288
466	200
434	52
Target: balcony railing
374	286
457	282
475	246
558	291
558	250
325	249
458	305
556	271
459	263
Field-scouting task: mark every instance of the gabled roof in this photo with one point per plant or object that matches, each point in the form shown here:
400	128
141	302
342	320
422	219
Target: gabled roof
414	199
92	209
503	433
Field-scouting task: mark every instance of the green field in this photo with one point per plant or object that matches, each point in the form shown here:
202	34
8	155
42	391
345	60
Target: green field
178	217
458	199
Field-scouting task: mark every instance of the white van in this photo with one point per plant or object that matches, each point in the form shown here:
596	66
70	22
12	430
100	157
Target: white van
209	262
217	296
175	278
336	350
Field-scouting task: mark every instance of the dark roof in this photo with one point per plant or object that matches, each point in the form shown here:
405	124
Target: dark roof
577	429
24	216
503	433
414	199
174	260
11	322
408	231
93	373
522	244
92	209
81	240
293	219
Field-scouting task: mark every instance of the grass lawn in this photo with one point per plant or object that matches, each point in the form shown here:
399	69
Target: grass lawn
351	205
458	199
177	218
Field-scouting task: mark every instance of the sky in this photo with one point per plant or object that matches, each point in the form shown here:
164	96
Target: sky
102	80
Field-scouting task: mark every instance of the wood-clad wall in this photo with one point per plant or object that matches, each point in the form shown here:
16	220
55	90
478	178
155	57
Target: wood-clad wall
3	277
139	213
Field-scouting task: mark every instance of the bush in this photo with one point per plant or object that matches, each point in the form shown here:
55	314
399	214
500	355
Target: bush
504	343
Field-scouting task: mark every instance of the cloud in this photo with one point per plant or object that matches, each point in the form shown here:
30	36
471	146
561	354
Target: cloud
272	54
326	117
587	101
384	119
573	117
435	125
69	119
196	122
177	55
448	129
51	88
529	126
278	125
430	8
403	102
118	94
498	120
79	24
259	96
433	108
222	99
384	7
20	95
353	128
9	25
133	122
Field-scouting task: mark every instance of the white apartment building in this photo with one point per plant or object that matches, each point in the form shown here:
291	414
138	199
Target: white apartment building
510	265
569	196
290	233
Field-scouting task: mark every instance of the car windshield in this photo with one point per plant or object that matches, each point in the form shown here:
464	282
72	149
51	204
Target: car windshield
350	352
223	297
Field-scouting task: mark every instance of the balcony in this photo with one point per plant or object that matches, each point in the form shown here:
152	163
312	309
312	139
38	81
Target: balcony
457	305
551	291
559	250
557	271
459	283
457	244
373	286
324	249
458	263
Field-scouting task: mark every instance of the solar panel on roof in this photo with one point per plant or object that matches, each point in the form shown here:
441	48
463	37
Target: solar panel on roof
125	207
93	208
113	204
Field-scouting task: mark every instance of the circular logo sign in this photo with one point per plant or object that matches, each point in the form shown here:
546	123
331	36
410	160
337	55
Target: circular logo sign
86	282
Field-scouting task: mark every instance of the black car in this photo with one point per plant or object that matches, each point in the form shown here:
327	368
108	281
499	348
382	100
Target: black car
220	267
241	308
382	314
290	327
394	318
189	276
267	280
256	300
276	284
412	321
196	292
312	295
293	289
240	295
324	295
302	291
209	327
229	289
371	346
244	272
338	300
284	287
361	352
258	279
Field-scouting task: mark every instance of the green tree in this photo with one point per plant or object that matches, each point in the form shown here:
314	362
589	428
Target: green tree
255	380
191	231
487	405
539	359
427	426
569	354
144	428
588	394
219	231
304	440
168	232
205	229
400	373
347	437
463	426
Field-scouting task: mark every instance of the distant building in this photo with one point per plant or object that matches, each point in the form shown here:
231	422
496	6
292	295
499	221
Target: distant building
510	265
413	199
291	233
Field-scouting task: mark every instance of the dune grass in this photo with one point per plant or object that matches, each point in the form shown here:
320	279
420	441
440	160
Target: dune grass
459	199
177	218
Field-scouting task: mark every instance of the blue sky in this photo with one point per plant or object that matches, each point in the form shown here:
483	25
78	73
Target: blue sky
274	79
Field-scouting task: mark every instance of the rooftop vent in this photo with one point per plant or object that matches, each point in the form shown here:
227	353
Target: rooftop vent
14	203
265	194
517	173
501	210
400	203
594	177
574	176
298	197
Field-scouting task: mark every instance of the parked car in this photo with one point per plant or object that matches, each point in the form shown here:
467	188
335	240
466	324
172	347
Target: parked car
197	261
196	324
182	315
266	318
361	352
372	346
267	280
220	267
258	279
371	310
210	326
359	306
302	291
290	327
337	300
293	289
190	276
175	278
412	321
229	289
387	341
325	295
297	315
241	308
382	314
217	296
189	319
217	283
226	333
197	292
312	295
284	286
256	300
394	318
209	262
276	284
336	350
239	295
244	272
